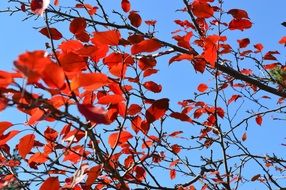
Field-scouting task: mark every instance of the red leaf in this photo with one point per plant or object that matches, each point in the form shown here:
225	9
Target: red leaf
38	158
54	76
26	144
270	66
135	19
210	49
282	40
243	42
56	2
140	173
199	64
90	9
202	87
233	98
152	86
3	104
55	34
157	110
94	114
181	57
202	9
119	137
220	112
270	55
149	45
244	137
92	174
198	113
5	138
39	6
256	177
174	163
82	36
258	119
147	62
135	38
36	115
172	173
23	7
32	65
89	81
149	72
110	37
51	183
136	124
239	24
77	25
145	127
184	41
70	46
110	99
175	133
6	78
151	22
238	13
181	116
246	71
176	148
4	125
134	109
50	134
259	47
125	5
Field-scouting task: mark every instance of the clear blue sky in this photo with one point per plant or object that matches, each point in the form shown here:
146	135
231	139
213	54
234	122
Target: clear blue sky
179	79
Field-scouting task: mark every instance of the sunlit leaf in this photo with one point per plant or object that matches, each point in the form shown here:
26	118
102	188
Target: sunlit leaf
110	37
119	138
54	76
110	99
25	145
282	40
5	138
51	183
211	48
89	81
202	87
4	125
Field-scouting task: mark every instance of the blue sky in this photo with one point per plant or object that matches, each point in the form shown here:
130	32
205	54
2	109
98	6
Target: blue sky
179	80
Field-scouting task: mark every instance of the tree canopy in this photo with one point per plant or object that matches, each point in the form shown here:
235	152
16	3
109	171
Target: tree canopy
96	112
